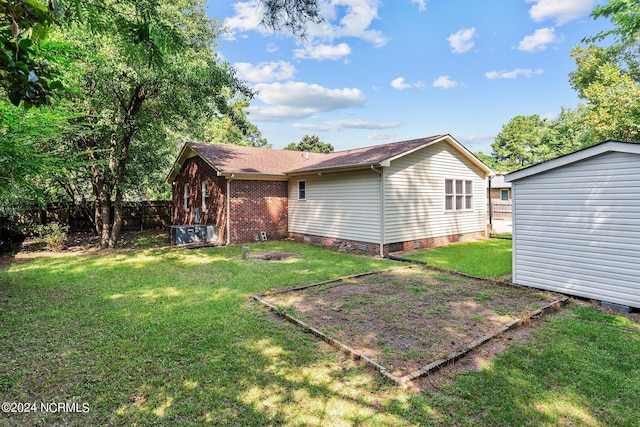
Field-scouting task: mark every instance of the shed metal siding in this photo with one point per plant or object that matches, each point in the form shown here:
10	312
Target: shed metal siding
414	195
342	205
577	229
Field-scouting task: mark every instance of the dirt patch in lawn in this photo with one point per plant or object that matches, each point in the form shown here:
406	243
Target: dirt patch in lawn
272	255
407	318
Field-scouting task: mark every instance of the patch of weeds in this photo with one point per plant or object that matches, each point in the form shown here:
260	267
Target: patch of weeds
434	312
282	310
482	298
411	354
502	311
354	303
448	278
476	318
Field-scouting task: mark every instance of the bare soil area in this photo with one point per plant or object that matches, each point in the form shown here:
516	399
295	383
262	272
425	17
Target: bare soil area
407	318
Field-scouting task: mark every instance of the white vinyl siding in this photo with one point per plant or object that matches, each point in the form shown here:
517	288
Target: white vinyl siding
415	195
577	229
342	205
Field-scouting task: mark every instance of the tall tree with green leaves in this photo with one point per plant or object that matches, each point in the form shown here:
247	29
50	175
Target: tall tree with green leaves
28	73
311	144
518	141
134	89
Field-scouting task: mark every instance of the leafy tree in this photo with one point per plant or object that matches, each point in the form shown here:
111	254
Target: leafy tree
29	152
492	162
624	14
569	132
132	94
27	71
311	144
518	141
237	130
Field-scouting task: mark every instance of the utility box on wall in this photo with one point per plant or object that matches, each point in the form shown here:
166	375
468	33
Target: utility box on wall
181	235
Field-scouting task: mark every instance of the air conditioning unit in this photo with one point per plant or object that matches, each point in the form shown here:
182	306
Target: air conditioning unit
181	235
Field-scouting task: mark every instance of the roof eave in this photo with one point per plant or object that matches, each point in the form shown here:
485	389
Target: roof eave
586	153
343	168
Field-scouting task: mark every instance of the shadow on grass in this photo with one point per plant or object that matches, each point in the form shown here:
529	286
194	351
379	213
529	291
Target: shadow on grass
168	337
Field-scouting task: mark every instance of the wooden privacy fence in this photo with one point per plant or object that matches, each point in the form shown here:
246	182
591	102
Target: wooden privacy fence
500	210
136	215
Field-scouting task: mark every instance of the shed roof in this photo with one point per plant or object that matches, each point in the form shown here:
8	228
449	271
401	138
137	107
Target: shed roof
577	156
233	159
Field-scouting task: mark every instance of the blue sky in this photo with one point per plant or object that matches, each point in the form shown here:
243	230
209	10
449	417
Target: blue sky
383	71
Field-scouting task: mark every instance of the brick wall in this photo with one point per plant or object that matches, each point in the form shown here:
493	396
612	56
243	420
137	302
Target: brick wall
342	244
193	172
258	206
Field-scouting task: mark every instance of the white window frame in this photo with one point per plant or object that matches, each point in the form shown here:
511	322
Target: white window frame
304	197
460	196
504	191
185	197
205	196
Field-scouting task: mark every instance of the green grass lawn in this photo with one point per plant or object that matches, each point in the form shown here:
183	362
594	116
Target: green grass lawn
488	258
170	337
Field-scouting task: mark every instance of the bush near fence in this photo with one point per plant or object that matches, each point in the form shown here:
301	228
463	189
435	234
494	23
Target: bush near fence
136	216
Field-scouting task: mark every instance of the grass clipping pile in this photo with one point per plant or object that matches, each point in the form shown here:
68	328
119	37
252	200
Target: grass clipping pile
406	319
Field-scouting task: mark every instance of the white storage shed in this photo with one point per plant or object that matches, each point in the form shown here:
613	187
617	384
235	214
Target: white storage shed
576	224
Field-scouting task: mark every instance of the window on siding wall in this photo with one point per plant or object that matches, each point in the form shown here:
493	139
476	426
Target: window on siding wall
186	197
458	194
302	190
504	195
205	196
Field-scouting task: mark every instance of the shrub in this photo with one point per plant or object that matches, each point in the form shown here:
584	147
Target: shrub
54	235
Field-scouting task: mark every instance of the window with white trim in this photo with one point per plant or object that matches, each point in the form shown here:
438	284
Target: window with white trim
205	196
504	195
186	197
458	194
302	190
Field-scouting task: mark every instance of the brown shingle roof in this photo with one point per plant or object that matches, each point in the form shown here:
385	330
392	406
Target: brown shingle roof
251	160
365	156
266	161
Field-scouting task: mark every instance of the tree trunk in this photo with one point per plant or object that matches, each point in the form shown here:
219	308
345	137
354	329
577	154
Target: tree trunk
105	213
117	220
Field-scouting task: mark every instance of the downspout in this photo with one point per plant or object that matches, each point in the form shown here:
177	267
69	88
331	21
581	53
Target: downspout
229	209
381	209
490	204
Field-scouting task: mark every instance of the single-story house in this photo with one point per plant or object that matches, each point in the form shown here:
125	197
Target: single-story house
391	197
498	190
576	224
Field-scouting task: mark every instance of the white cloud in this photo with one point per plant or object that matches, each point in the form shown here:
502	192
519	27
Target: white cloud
247	18
323	51
343	18
422	4
361	124
444	82
538	40
561	11
265	71
462	41
526	72
296	100
337	125
400	84
383	136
